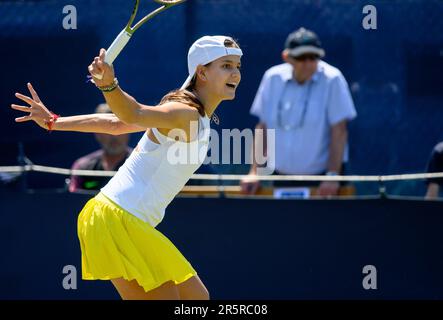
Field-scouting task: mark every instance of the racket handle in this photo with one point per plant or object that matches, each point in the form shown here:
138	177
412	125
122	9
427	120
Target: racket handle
115	48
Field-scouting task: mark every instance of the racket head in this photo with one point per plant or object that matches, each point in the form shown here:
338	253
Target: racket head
133	14
165	4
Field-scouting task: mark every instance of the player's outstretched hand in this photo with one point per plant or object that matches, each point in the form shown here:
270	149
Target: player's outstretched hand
36	109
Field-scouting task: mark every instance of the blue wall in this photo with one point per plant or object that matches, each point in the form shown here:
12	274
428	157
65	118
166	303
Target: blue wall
394	71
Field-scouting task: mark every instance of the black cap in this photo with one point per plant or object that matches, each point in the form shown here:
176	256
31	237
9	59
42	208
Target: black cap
303	41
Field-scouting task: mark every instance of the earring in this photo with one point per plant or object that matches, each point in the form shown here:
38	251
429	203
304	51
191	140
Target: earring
215	119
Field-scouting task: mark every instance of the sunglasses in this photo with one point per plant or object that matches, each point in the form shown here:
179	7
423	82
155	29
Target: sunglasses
304	57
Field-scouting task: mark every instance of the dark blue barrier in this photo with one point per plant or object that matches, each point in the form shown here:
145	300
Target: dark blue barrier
242	249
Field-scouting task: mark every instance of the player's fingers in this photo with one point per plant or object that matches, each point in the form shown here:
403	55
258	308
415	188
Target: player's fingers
93	68
102	54
99	70
24	98
98	66
20	108
33	92
23	119
94	73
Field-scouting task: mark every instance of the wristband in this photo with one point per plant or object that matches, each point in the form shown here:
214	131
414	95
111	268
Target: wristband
109	88
50	123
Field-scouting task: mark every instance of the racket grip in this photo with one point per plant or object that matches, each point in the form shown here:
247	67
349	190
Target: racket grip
115	48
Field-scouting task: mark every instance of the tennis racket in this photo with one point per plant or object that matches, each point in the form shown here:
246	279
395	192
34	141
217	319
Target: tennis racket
122	39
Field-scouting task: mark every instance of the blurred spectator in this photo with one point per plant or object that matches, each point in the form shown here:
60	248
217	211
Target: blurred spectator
435	164
308	103
113	153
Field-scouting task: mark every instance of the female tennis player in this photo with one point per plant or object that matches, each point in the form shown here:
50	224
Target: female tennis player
116	228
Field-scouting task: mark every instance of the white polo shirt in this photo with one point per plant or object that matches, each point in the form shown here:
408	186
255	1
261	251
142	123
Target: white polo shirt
302	116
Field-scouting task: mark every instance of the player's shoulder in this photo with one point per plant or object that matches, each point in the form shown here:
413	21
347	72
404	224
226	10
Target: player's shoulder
280	70
328	70
186	112
277	74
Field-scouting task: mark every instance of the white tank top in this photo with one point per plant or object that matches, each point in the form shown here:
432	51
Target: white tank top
155	173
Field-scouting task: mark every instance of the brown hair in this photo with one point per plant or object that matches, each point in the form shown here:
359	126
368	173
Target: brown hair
187	95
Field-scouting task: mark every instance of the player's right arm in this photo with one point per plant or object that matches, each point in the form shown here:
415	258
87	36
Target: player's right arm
171	115
97	123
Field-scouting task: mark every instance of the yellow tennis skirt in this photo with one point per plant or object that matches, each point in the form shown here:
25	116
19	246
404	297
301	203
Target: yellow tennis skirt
116	244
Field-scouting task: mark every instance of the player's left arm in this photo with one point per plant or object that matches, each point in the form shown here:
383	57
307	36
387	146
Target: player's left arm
96	123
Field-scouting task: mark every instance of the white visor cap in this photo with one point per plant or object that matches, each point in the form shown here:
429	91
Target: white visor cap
205	50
